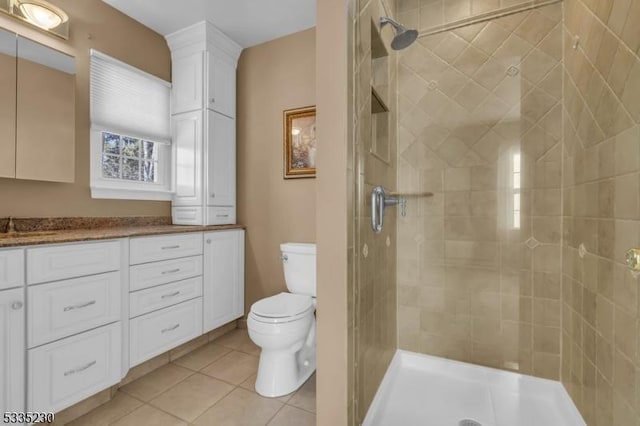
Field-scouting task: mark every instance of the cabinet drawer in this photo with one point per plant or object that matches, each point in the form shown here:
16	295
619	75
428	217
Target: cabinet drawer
11	269
163	247
72	260
221	215
159	331
187	215
155	298
65	372
153	274
63	308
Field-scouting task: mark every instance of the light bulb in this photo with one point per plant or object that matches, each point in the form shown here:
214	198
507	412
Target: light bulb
41	15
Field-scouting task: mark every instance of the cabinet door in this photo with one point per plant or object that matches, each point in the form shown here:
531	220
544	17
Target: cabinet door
187	88
7	104
67	371
221	170
45	114
223	291
222	86
12	350
187	145
11	268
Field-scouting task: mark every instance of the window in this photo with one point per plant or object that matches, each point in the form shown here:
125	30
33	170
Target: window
128	158
130	132
516	176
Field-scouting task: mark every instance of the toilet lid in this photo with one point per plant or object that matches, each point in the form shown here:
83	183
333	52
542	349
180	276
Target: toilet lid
282	305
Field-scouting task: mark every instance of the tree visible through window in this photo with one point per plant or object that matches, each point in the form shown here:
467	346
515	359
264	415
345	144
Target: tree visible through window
128	158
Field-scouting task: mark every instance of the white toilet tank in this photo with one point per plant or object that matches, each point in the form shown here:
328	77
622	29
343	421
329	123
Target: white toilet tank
299	262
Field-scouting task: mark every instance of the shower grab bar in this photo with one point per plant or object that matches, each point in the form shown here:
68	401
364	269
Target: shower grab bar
380	199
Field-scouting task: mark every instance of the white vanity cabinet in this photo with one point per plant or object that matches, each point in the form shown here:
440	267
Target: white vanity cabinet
12	331
223	295
204	80
222	84
221	165
12	348
74	317
166	293
203	92
187	83
75	326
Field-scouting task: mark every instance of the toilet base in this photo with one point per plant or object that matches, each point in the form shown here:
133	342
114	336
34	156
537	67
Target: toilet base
282	372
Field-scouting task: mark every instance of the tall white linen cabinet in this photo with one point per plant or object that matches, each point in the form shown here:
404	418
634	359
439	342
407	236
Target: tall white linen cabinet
204	62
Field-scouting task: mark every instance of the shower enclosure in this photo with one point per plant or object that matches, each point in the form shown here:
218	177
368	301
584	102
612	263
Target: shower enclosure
480	126
522	119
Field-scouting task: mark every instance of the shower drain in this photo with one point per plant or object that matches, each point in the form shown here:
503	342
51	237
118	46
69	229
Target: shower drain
469	422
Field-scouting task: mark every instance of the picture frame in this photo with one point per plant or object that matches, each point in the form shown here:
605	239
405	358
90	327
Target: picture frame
300	143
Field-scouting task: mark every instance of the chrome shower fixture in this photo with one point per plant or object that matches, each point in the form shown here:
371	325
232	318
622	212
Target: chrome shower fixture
403	38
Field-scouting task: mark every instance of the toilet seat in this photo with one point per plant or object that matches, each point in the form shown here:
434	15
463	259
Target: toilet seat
281	308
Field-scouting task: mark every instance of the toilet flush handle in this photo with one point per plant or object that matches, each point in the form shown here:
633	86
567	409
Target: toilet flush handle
284	257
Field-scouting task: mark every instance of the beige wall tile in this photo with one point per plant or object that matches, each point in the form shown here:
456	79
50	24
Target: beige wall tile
631	102
631	31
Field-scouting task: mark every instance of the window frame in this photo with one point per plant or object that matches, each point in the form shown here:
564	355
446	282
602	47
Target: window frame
122	189
119	104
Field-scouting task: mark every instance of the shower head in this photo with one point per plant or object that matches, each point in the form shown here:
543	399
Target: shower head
403	37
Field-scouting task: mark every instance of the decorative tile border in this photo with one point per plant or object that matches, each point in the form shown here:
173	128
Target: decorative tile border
494	14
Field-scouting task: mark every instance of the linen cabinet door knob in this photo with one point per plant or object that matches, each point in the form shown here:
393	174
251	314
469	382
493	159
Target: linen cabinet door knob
208	240
17	305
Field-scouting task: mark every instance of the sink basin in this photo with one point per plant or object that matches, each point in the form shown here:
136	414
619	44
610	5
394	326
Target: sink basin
25	234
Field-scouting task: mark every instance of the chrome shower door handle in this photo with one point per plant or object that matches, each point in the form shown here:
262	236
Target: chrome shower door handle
377	209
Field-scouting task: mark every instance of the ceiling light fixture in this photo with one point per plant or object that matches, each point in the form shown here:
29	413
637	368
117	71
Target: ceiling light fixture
39	13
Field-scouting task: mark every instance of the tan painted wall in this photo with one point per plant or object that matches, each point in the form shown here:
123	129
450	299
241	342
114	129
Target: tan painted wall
272	77
334	125
93	25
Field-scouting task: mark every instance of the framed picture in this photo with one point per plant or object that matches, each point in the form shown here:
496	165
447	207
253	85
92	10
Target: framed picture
300	143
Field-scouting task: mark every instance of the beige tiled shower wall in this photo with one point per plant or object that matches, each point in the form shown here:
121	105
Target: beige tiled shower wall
427	14
600	310
372	258
480	126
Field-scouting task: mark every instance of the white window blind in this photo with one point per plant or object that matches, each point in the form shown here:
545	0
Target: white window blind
128	101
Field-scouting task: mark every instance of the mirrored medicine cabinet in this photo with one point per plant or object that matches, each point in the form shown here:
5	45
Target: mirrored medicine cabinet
37	111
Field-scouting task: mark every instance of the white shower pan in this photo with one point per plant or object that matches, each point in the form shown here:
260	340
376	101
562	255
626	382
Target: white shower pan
423	390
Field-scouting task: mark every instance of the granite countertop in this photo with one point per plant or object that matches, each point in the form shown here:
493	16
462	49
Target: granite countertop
35	231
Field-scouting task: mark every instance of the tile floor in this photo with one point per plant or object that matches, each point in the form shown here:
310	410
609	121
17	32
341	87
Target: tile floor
213	385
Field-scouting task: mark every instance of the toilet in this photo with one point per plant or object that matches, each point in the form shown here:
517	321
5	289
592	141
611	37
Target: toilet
284	325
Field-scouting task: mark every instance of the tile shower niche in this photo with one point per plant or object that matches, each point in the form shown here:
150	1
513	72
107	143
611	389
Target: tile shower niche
380	115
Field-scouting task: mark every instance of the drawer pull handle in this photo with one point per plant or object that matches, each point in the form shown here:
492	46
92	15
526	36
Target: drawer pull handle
172	271
170	247
79	369
170	328
174	294
80	306
222	215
